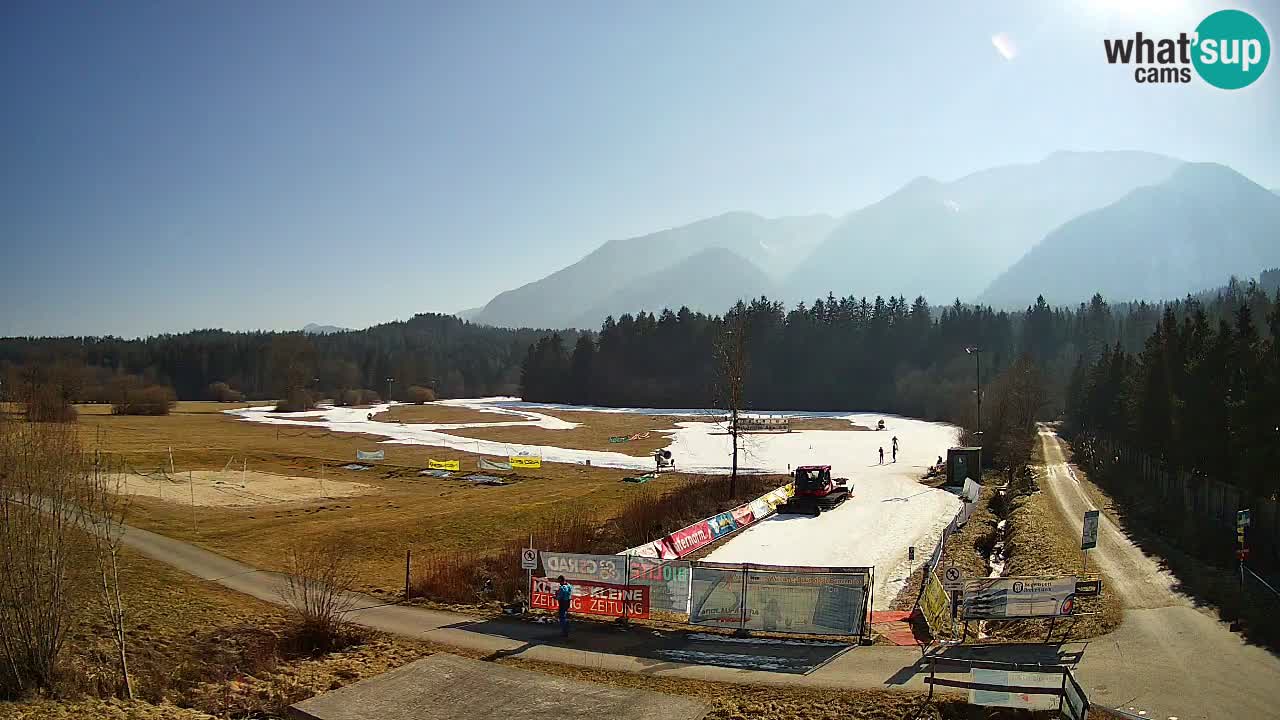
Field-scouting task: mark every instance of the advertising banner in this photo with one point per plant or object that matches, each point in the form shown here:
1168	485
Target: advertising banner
722	524
525	461
444	465
689	539
371	455
1018	597
590	598
618	438
491	465
743	515
760	509
667	580
596	568
935	605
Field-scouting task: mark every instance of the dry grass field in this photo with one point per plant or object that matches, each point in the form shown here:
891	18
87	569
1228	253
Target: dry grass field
592	434
401	510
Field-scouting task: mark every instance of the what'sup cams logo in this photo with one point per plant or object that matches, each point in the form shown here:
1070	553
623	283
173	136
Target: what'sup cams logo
1229	50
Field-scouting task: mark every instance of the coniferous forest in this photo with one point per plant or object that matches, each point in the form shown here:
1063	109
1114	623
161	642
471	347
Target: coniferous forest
1196	380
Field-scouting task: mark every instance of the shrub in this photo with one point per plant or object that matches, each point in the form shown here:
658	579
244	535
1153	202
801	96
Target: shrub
297	401
222	392
418	394
149	400
319	583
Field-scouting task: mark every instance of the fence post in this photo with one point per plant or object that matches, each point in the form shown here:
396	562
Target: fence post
626	589
742	603
408	559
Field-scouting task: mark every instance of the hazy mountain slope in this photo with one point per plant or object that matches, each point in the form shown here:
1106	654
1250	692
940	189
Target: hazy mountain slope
711	280
314	329
559	298
1204	223
948	240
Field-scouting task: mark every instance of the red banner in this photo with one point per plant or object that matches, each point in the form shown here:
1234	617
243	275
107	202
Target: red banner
743	516
591	598
686	540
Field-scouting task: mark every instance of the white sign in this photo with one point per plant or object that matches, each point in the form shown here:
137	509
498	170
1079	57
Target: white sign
1089	538
595	568
371	455
952	578
528	559
1018	597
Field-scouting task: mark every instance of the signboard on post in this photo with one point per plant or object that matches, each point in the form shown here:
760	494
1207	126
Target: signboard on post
1089	536
590	598
444	465
529	559
1018	597
594	568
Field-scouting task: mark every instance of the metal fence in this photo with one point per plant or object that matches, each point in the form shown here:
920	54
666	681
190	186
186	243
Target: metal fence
790	599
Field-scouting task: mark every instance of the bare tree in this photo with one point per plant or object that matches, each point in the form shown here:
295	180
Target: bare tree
731	377
104	509
319	583
54	501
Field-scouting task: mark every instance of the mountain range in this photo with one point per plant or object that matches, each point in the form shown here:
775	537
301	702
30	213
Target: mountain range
1131	225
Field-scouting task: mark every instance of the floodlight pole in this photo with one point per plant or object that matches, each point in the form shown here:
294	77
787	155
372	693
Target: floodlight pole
976	352
390	381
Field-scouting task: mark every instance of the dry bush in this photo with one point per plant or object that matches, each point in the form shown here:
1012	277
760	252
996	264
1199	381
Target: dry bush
296	401
369	397
47	392
651	515
471	577
222	392
60	521
145	400
419	395
319	584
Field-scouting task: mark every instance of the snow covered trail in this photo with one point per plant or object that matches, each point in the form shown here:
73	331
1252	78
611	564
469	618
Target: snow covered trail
888	513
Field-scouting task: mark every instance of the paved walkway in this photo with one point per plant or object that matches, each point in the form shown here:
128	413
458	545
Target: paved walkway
1171	660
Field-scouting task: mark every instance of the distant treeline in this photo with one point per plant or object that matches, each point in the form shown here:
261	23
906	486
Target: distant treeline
442	352
845	353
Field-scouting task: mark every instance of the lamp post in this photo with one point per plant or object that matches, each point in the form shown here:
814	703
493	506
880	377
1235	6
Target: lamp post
390	380
976	352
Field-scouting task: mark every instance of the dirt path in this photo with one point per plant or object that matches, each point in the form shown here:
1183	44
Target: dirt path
1169	658
1137	578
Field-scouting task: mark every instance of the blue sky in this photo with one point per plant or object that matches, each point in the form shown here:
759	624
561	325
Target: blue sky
264	165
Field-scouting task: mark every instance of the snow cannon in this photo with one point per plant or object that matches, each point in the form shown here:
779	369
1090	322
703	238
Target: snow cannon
815	491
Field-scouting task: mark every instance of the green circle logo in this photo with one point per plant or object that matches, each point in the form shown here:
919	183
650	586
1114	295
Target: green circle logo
1232	49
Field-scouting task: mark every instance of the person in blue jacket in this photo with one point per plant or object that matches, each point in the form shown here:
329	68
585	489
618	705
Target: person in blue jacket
564	594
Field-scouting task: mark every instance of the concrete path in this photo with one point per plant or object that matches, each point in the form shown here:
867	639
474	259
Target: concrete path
444	686
1168	657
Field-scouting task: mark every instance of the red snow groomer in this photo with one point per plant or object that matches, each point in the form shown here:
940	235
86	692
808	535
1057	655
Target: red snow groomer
815	491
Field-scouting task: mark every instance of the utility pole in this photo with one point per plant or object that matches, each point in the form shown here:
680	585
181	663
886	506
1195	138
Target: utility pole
976	352
390	380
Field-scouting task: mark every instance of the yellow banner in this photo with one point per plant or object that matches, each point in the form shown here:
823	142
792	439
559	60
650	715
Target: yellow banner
525	461
935	605
444	465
